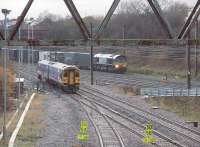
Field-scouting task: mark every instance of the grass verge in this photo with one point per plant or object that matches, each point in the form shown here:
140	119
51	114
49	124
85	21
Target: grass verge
185	107
157	72
33	124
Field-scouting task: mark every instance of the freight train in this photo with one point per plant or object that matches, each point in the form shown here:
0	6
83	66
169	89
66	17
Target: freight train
25	55
102	62
66	77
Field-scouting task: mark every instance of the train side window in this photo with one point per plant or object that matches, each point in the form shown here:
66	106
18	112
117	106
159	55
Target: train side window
109	61
96	60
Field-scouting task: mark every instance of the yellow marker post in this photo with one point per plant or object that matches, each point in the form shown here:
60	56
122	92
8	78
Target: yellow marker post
84	127
83	135
149	134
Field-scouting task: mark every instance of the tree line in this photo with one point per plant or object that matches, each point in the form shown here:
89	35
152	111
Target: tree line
133	19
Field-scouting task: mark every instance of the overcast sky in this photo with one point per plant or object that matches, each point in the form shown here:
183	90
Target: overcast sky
85	7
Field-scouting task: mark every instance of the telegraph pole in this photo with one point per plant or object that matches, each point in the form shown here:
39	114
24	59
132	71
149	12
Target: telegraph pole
124	29
32	37
91	55
30	50
5	12
188	63
29	69
19	75
196	46
19	33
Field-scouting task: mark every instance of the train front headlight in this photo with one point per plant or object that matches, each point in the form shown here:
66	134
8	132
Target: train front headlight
117	66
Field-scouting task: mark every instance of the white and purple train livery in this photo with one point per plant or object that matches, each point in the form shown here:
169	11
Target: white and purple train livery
65	76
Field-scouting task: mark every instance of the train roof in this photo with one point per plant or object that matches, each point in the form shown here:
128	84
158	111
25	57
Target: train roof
75	53
111	56
57	64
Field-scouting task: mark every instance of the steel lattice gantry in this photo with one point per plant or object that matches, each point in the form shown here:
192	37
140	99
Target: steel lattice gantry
158	12
86	34
75	14
190	21
77	18
20	19
106	19
72	10
1	36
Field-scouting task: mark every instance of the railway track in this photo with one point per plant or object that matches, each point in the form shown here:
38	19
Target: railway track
131	125
145	111
176	134
107	133
101	123
172	130
136	80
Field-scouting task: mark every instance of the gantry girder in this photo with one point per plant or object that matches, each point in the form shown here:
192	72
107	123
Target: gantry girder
74	12
190	21
20	19
86	34
158	12
82	26
1	36
106	19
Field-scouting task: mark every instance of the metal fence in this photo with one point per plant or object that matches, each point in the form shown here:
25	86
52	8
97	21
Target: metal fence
170	92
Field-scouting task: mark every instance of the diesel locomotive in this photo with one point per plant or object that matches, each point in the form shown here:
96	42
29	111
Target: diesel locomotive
67	77
110	63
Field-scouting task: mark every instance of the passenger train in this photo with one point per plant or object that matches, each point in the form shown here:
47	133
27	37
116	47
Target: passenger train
65	76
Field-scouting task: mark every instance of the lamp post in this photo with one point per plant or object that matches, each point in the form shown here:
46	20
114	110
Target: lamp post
5	12
30	37
30	21
19	75
91	55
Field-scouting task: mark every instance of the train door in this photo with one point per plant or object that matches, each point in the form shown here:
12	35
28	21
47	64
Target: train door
77	77
71	77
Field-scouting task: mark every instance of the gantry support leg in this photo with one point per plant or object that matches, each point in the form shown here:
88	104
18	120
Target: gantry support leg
106	19
20	19
75	14
190	21
158	12
1	36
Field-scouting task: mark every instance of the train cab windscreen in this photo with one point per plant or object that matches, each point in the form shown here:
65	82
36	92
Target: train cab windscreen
121	59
